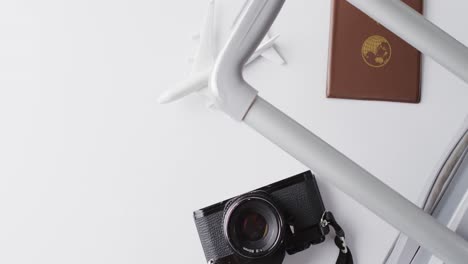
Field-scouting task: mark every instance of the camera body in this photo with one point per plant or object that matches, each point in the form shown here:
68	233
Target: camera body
261	226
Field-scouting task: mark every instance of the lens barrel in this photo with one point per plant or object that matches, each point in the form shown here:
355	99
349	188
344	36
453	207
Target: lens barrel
253	225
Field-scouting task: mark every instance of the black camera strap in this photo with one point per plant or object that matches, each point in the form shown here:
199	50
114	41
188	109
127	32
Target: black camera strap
345	256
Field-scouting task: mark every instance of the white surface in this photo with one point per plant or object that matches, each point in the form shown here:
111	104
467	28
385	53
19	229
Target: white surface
94	171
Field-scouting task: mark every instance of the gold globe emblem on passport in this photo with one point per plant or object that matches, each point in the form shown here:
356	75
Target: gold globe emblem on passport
376	51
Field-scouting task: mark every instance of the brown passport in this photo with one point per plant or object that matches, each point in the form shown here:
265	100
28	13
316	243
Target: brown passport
367	61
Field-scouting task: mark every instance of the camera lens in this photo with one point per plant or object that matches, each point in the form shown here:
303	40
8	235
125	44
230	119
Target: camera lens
253	226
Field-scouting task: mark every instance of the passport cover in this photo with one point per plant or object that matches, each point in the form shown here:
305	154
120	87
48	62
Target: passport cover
369	62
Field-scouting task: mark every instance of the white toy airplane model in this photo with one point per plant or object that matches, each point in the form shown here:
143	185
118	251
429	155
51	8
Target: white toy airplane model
205	58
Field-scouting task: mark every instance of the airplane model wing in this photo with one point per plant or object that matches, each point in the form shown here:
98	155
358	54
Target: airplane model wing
272	54
206	55
202	62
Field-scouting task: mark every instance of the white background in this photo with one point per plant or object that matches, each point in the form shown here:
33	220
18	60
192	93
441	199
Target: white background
92	170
